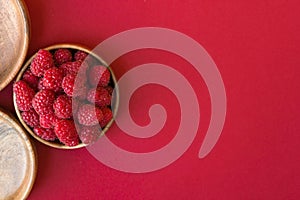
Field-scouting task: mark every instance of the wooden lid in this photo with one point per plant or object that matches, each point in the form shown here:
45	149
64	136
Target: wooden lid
18	164
14	39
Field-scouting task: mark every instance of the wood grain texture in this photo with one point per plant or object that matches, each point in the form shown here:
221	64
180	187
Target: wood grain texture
17	160
14	38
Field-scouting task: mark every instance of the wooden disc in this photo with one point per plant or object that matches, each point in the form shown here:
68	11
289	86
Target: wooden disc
14	39
18	164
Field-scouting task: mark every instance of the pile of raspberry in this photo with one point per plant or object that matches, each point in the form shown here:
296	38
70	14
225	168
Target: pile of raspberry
63	88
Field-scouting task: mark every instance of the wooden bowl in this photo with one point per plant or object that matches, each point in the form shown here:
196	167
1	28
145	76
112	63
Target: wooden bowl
14	40
18	163
114	105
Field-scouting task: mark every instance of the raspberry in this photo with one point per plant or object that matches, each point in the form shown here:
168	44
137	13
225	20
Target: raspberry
80	55
24	95
30	79
109	90
52	79
107	116
69	87
40	84
43	102
66	132
31	118
45	133
63	107
41	62
99	96
48	120
83	94
67	67
74	67
99	75
75	105
89	134
61	56
89	115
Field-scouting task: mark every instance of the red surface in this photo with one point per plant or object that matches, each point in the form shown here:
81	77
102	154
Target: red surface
256	46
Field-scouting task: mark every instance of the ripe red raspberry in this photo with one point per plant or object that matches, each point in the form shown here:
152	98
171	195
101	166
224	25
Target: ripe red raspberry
109	90
45	133
41	62
99	96
30	79
89	134
24	95
63	107
83	94
40	84
31	118
99	76
74	67
80	55
48	120
53	79
107	116
66	132
61	56
69	87
43	102
89	115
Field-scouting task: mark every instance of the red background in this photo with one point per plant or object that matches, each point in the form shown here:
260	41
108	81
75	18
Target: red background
256	46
